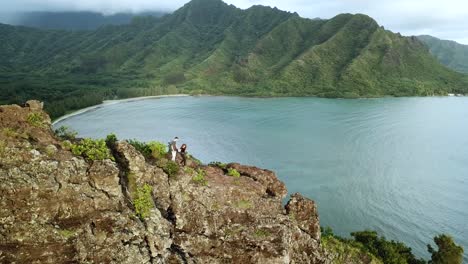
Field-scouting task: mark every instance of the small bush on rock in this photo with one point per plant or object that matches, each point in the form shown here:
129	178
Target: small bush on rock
171	168
260	233
36	119
218	164
65	132
153	149
51	150
189	170
233	173
200	178
140	146
9	132
66	233
111	139
244	204
158	149
143	201
66	144
92	149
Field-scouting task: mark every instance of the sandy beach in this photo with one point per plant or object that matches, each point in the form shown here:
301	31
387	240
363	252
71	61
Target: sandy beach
107	102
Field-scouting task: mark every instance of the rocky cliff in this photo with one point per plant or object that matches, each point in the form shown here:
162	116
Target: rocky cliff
56	207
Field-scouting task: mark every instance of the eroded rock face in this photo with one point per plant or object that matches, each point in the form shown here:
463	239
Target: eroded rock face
304	211
59	208
267	178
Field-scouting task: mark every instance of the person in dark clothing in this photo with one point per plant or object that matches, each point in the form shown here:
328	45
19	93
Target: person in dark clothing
183	154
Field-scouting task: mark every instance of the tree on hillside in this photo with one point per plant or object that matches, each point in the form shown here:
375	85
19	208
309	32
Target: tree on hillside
448	253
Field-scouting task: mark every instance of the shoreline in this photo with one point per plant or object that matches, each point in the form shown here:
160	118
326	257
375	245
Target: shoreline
110	102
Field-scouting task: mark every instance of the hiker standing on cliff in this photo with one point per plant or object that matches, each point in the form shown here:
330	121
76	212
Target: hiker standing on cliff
183	153
173	148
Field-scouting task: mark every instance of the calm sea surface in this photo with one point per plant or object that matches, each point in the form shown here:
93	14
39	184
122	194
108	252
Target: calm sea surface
396	165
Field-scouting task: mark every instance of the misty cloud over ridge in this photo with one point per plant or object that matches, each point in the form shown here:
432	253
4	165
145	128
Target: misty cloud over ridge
446	20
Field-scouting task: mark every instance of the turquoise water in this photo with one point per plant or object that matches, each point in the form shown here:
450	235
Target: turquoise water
396	165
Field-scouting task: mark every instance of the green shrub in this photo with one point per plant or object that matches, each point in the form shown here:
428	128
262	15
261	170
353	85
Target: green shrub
153	149
260	233
142	147
92	149
233	173
218	164
143	201
161	163
36	119
65	132
244	204
65	233
171	168
326	231
111	139
66	144
200	178
50	150
158	149
189	170
448	253
10	132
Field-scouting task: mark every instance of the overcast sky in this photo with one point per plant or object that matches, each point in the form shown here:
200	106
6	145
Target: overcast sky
446	19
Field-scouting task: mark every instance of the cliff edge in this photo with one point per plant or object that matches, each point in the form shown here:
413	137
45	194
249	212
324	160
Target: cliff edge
56	207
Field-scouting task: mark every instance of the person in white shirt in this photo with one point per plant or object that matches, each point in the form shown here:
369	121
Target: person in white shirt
173	148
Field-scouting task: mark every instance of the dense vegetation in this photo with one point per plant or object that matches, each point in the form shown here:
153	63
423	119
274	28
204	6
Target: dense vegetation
367	244
210	47
449	53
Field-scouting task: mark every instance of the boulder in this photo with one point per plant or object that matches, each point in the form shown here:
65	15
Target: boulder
34	105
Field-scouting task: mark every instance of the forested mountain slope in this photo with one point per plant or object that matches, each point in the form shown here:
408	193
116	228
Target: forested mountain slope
210	47
450	53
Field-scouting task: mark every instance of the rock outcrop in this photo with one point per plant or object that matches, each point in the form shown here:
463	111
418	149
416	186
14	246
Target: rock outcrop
56	207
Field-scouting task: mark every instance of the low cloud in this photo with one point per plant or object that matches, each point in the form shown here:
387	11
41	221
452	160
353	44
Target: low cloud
446	19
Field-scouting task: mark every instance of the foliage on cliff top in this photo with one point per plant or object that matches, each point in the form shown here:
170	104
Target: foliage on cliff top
92	149
152	149
233	173
66	133
36	119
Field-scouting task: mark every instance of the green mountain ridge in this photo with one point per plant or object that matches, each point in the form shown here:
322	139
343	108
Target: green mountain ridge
208	46
450	53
